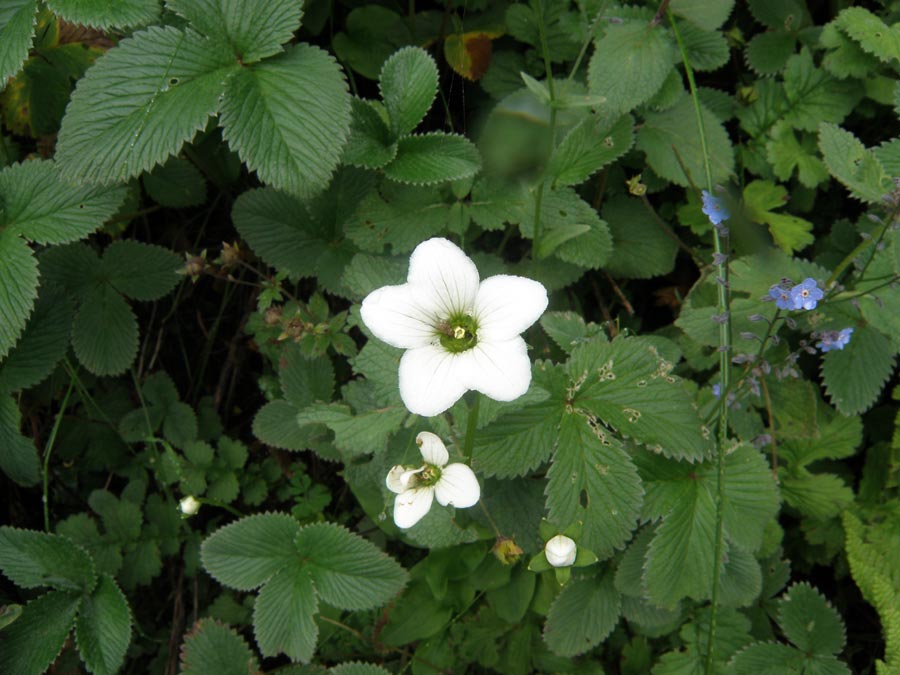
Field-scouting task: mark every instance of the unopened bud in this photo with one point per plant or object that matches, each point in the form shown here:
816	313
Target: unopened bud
189	506
560	551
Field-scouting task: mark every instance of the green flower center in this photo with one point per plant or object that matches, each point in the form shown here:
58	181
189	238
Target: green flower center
430	476
458	333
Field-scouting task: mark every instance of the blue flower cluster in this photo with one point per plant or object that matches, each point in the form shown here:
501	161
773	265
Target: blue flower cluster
714	209
804	295
834	339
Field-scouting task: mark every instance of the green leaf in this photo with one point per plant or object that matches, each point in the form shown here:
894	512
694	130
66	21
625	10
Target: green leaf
284	615
629	387
252	35
140	271
366	272
872	34
276	425
630	62
140	102
34	641
103	628
741	580
358	669
845	57
814	96
408	84
820	496
105	14
855	375
44	208
105	332
17	19
415	616
71	266
707	14
852	164
768	657
122	518
582	615
288	118
213	649
349	572
42	345
18	457
675	131
707	50
810	622
402	217
372	34
588	147
785	152
789	232
33	559
768	53
18	288
370	144
568	329
176	184
432	158
642	248
303	379
362	433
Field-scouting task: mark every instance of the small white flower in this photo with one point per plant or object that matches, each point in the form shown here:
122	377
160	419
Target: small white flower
560	551
452	484
459	333
189	506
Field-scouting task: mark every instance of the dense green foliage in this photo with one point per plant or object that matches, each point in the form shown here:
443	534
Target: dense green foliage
203	439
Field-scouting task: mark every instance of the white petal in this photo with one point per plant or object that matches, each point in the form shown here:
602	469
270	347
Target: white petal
430	380
500	370
394	480
411	506
433	449
457	487
401	316
445	276
406	478
507	305
560	551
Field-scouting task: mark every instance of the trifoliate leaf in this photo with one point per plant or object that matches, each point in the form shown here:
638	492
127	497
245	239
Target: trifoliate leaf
105	332
284	615
590	146
630	62
288	117
140	271
213	649
103	628
814	96
100	14
642	247
582	615
18	288
140	102
35	639
852	164
33	559
370	144
17	19
19	458
855	375
872	34
408	84
432	158
176	184
707	15
251	34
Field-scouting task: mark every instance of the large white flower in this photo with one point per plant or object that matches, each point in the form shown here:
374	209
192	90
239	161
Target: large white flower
459	333
416	488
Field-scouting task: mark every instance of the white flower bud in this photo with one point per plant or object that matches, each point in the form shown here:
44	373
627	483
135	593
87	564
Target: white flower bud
189	506
560	551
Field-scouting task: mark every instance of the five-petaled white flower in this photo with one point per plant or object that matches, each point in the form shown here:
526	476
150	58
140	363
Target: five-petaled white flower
560	551
459	333
452	484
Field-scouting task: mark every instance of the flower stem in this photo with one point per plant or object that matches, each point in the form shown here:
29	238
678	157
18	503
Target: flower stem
471	426
49	449
551	134
724	362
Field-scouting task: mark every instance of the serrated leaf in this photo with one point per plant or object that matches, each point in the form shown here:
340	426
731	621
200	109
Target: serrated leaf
213	649
140	271
768	53
252	34
176	184
568	329
370	144
105	332
34	641
365	432
855	376
432	158
276	424
44	208
630	62
820	496
785	152
180	424
372	34
348	571
100	14
813	96
582	615
872	34
122	518
303	379
587	148
592	480
741	580
408	84
288	117
768	657
707	50
17	19
18	288
140	102
284	615
358	669
366	272
706	14
33	559
103	628
18	457
845	57
642	248
810	622
415	616
675	131
852	164
401	218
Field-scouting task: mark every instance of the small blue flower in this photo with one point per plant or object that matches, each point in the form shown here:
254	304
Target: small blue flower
834	339
714	209
717	390
805	295
782	297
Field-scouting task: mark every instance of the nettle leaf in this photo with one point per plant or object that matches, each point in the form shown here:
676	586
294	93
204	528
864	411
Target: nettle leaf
408	85
672	134
99	14
251	34
855	375
140	271
105	332
33	559
592	144
851	163
629	387
582	615
288	118
17	19
592	480
103	628
872	34
19	459
436	157
642	248
284	615
631	60
140	102
18	288
37	637
213	649
176	184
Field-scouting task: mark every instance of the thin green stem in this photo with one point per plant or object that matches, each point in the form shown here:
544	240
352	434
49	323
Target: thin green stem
471	426
724	360
551	135
48	451
588	40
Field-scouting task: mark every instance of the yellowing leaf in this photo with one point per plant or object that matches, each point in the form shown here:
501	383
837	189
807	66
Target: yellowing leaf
469	54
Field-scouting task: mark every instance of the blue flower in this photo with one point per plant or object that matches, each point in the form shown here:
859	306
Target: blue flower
782	297
714	209
833	339
805	295
717	390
